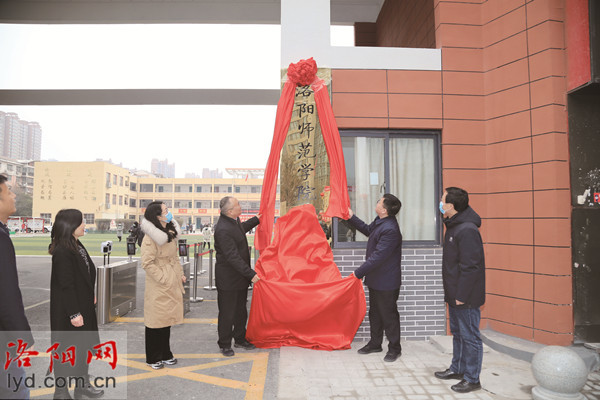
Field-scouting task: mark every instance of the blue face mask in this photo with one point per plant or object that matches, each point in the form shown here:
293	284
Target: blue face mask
169	217
442	207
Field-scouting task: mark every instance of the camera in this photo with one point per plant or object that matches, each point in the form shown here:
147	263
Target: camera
183	249
106	247
131	245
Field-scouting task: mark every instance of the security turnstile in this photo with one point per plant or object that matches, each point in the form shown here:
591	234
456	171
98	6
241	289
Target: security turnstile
116	290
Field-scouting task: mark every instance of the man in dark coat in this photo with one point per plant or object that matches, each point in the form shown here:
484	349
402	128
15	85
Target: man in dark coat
12	311
233	275
136	233
463	271
383	275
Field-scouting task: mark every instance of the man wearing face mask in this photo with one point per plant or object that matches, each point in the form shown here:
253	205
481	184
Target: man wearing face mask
463	270
233	275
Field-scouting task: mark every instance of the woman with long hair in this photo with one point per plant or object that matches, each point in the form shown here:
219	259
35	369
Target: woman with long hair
163	292
73	319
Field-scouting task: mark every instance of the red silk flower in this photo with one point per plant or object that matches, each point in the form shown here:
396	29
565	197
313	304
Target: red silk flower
303	73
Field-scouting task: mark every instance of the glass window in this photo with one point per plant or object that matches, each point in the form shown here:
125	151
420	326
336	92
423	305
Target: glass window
114	179
144	202
246	189
203	188
107	198
409	169
164	188
365	171
133	187
413	177
223	189
89	218
132	203
216	204
146	187
183	188
120	200
183	204
120	181
203	204
114	199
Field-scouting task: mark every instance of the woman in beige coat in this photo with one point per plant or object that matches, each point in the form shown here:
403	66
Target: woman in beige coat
163	294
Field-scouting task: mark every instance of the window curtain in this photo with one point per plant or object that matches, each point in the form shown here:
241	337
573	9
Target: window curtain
370	176
412	177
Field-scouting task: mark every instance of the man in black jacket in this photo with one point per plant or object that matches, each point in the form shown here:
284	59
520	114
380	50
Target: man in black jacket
233	275
463	271
12	311
383	275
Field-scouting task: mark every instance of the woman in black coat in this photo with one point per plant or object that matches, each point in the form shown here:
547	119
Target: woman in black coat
73	319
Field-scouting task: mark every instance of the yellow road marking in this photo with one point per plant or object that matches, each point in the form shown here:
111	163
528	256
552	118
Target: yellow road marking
254	388
37	304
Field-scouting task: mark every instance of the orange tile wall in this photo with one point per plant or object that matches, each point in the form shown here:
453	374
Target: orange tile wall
500	103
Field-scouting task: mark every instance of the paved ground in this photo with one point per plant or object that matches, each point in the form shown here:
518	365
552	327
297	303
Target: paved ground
287	373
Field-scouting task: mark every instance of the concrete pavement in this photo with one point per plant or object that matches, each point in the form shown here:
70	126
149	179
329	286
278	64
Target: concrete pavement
286	373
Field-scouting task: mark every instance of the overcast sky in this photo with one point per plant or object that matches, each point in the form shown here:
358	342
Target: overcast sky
149	56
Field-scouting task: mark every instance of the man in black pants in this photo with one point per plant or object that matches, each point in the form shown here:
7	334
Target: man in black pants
233	275
383	275
463	273
13	322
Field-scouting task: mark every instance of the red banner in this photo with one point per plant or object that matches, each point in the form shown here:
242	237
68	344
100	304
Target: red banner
302	74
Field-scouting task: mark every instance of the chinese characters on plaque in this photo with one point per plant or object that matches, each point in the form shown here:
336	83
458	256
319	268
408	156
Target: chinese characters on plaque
304	170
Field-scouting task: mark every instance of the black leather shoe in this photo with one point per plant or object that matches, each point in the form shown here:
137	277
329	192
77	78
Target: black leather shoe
227	352
368	350
245	345
391	356
465	387
448	374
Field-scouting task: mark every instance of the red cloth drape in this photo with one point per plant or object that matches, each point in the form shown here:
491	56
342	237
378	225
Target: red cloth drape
339	201
263	233
301	299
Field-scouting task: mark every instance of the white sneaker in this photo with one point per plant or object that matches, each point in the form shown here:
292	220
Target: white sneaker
156	365
172	361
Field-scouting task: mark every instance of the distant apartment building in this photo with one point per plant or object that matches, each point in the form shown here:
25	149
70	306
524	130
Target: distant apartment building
102	190
208	173
19	173
163	168
19	139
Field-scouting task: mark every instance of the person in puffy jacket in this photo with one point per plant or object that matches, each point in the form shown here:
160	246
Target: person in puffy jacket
463	271
163	292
